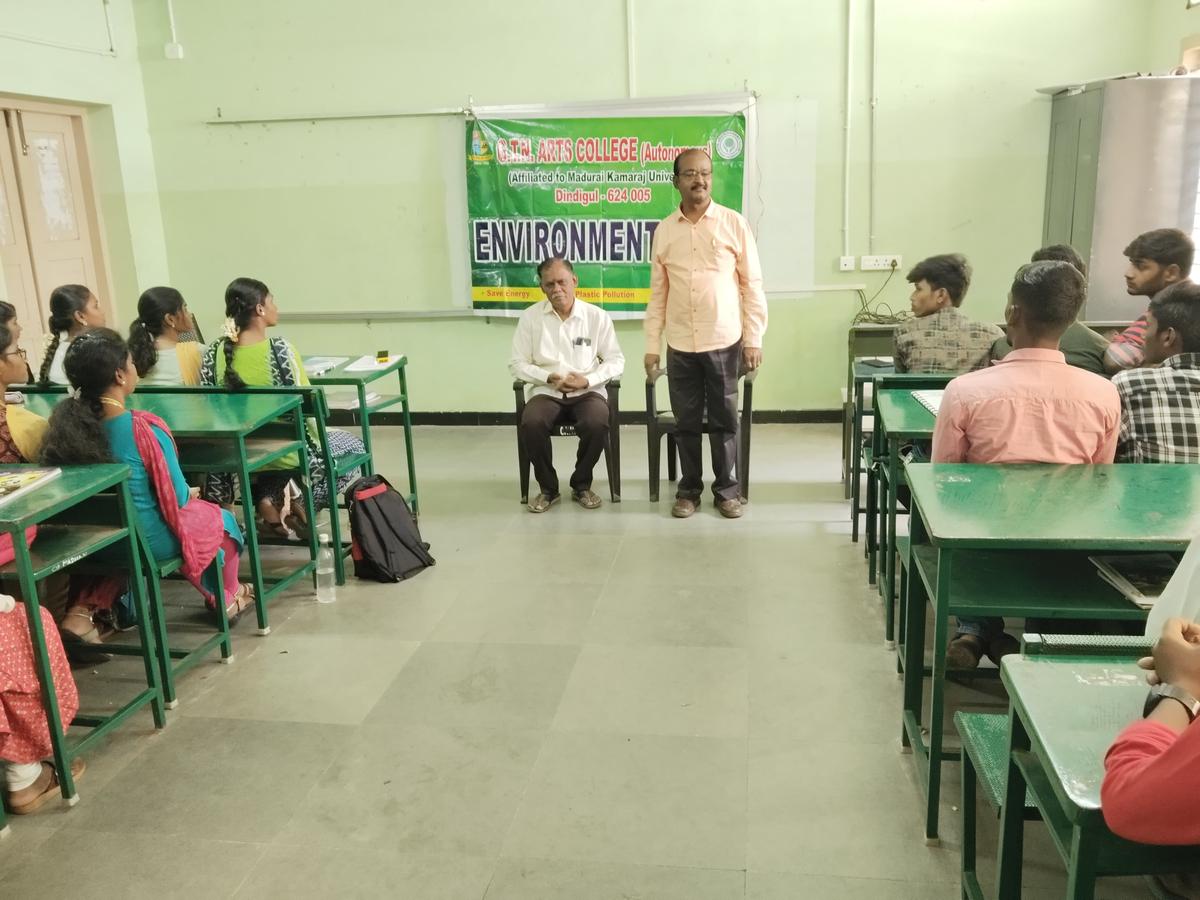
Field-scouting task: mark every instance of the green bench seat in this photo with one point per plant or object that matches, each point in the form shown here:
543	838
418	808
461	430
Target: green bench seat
984	755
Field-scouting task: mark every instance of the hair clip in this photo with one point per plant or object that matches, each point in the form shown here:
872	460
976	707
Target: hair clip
75	393
230	329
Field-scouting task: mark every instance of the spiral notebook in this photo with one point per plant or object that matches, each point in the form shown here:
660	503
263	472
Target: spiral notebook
931	400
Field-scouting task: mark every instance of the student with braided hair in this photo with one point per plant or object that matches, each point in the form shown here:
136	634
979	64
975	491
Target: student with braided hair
92	425
73	310
246	357
156	342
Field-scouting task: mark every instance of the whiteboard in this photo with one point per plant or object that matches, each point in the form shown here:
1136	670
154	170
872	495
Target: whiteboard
781	203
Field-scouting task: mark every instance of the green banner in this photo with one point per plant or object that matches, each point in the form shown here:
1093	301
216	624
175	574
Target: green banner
590	189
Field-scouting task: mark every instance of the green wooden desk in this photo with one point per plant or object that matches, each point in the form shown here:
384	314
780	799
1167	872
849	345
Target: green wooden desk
1013	541
863	340
1064	714
215	432
863	374
359	380
55	549
899	419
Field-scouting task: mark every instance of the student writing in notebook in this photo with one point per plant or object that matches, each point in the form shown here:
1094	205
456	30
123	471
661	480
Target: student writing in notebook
1031	407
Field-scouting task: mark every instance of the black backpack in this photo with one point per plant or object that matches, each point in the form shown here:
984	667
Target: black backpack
385	542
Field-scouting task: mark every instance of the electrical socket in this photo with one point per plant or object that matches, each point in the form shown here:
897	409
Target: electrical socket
846	264
173	50
883	263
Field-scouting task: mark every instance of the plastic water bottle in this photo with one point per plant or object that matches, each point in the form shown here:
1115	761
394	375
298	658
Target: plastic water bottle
326	582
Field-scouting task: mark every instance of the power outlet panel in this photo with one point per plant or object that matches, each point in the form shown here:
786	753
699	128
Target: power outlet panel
846	264
880	263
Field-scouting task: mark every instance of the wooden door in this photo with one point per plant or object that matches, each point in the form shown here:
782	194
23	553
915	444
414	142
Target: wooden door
57	218
20	288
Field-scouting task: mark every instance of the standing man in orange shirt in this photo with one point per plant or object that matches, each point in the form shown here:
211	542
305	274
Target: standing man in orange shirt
706	295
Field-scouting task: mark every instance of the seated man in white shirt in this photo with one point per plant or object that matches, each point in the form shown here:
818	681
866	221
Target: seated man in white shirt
565	350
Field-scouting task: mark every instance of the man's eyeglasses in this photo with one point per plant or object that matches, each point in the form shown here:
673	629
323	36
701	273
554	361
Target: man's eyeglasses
692	173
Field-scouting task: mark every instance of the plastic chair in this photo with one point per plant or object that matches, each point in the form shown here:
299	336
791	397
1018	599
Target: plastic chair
612	441
660	424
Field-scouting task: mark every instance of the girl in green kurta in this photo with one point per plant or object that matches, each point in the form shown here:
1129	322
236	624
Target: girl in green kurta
246	357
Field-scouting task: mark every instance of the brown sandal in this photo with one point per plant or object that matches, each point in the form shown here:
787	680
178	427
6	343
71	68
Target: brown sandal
242	600
78	767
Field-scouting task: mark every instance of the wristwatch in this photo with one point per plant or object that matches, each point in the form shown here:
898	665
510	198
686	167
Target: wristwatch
1162	691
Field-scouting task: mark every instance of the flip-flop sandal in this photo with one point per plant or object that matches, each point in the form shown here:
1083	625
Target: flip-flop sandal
78	767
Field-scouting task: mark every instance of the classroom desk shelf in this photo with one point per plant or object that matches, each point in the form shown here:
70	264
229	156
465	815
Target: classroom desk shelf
398	365
1013	540
862	374
218	431
95	500
899	419
205	456
1064	714
58	547
1046	585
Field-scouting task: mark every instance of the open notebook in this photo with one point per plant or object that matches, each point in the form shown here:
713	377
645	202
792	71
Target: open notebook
931	400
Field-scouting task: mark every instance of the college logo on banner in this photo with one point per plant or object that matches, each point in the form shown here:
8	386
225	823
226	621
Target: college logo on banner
590	189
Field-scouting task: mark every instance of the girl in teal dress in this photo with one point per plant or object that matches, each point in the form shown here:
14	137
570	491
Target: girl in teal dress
92	425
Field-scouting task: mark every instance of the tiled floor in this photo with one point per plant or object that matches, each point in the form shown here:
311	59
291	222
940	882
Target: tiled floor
608	704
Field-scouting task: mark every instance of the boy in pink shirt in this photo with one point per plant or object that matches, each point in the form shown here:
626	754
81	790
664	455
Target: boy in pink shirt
1157	260
1030	407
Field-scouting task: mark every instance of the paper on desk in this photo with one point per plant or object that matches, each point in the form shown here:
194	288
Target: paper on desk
1181	596
369	364
319	365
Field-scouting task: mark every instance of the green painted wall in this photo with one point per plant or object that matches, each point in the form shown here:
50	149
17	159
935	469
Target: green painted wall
351	214
118	130
1170	23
